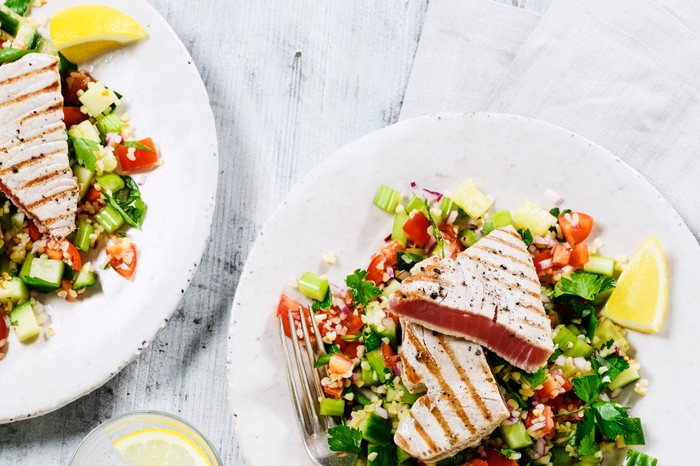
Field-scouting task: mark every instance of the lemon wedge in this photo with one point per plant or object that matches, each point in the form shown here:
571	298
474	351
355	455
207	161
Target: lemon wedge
83	32
156	446
639	300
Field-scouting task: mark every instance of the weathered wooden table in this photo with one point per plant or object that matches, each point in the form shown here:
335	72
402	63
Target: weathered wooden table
289	83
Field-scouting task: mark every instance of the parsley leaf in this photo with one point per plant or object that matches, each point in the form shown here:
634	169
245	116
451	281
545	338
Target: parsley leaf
18	6
325	304
372	342
65	65
127	201
137	145
585	285
585	435
85	152
344	438
635	458
536	379
334	349
588	387
615	364
612	420
526	235
507	452
322	360
362	290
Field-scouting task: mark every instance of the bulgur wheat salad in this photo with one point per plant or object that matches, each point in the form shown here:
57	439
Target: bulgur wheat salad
562	413
84	188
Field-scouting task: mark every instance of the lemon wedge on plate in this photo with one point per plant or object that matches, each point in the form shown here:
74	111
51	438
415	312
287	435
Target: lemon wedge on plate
83	32
639	300
156	446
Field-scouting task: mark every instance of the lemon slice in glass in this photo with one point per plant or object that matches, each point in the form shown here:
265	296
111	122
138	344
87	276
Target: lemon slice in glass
156	446
83	32
639	300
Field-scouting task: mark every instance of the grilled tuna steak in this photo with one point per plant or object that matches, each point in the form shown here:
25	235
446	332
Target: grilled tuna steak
489	294
463	403
34	169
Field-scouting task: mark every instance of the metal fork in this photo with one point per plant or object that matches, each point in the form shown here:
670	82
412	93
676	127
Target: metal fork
306	392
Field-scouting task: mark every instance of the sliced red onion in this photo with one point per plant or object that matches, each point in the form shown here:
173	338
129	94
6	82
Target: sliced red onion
396	370
390	272
546	264
338	291
430	244
381	412
387	238
540	448
436	194
413	184
452	217
542	241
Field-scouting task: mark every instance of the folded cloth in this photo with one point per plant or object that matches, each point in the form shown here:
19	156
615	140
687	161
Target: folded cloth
623	74
465	49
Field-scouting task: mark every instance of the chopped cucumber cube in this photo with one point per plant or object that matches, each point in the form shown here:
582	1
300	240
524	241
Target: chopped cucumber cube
312	286
86	277
376	430
82	236
381	456
471	200
570	344
387	198
9	20
447	205
110	182
530	216
84	177
25	324
468	238
13	291
624	378
369	376
85	130
397	233
600	265
332	407
110	123
606	331
27	34
515	435
416	203
43	274
97	98
501	219
376	360
110	219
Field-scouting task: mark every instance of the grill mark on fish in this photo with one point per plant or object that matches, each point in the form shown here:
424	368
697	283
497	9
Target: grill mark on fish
445	388
507	256
54	107
437	414
27	75
490	265
42	179
53	220
485	412
56	197
28	163
53	87
510	233
423	434
410	372
26	141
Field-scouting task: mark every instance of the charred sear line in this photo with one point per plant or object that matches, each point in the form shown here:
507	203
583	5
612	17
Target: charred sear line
54	107
32	73
30	140
37	159
53	87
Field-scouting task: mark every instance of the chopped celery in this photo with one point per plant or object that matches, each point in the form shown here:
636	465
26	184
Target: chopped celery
515	435
397	233
416	203
332	407
110	123
312	286
600	265
110	182
110	219
501	219
530	216
468	238
387	198
376	360
82	236
447	205
487	228
635	458
471	200
571	345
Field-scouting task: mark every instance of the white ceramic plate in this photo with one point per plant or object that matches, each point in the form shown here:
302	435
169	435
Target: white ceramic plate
98	336
512	159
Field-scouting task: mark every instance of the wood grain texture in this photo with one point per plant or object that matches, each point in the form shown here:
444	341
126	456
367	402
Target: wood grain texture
289	82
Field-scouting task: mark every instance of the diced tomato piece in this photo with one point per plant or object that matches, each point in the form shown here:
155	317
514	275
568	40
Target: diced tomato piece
496	458
73	116
453	245
576	226
75	81
334	392
546	416
340	364
579	255
416	228
390	358
554	386
74	256
93	194
541	260
376	268
140	159
122	257
67	286
349	348
4	331
353	323
55	254
34	233
285	305
561	255
476	462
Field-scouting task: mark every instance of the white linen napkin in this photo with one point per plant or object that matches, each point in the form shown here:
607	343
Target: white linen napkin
624	74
